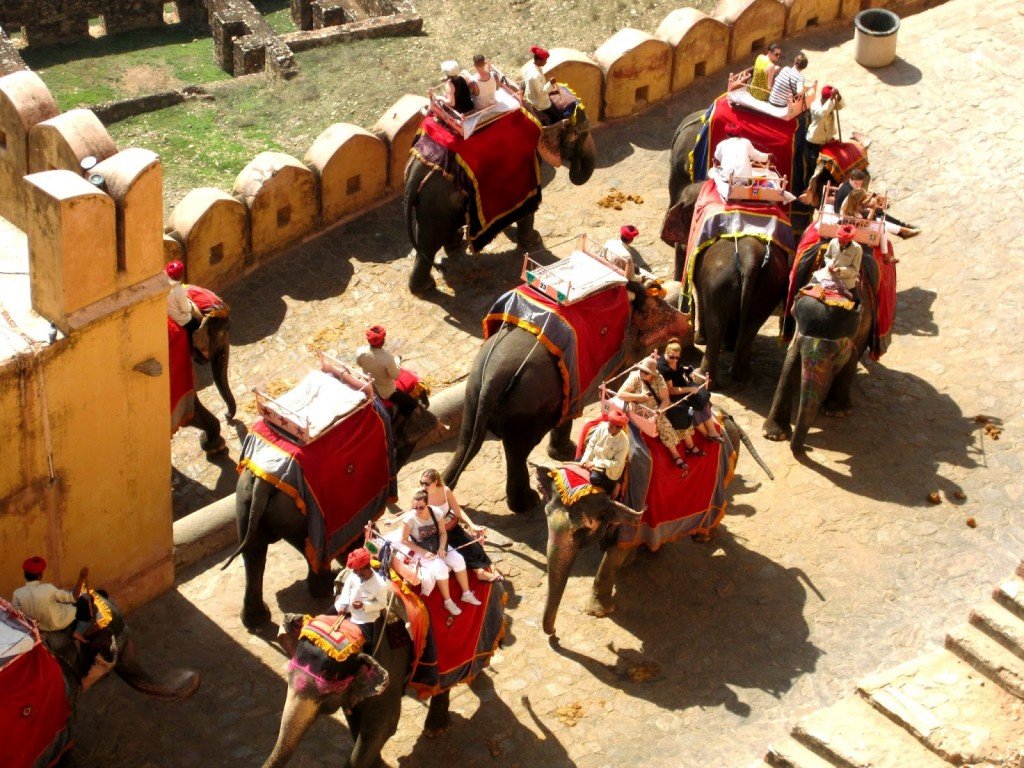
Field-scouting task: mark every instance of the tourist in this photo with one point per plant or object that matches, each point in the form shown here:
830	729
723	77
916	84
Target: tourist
537	90
842	263
483	83
364	595
682	389
442	499
457	93
766	67
425	536
646	387
179	308
734	156
860	179
383	368
789	83
606	451
54	609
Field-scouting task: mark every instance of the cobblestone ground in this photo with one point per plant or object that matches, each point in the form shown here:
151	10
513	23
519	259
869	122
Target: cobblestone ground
839	567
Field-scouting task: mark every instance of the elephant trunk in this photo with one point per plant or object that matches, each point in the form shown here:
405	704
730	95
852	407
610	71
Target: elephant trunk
298	715
219	369
171	686
819	360
584	160
562	551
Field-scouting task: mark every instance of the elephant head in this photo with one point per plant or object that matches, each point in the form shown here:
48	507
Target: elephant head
211	343
593	517
655	319
570	142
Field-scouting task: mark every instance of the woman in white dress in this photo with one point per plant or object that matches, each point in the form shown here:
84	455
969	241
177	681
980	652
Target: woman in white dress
463	534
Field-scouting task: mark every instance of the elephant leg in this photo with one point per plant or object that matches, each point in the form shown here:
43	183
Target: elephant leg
320	585
376	720
518	443
219	369
298	715
438	715
714	336
255	612
560	444
420	279
526	235
211	442
740	369
601	601
777	426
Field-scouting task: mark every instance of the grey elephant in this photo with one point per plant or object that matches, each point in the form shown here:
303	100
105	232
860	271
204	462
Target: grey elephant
372	703
515	391
266	514
111	637
821	361
435	209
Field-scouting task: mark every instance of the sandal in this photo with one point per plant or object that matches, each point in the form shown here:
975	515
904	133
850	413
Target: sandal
490	577
681	463
693	450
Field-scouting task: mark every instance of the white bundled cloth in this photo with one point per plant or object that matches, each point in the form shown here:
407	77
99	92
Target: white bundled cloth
322	400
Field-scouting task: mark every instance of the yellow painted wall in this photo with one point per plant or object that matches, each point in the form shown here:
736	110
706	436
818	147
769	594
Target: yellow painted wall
637	71
213	230
699	45
815	13
352	165
282	196
755	24
24	102
582	74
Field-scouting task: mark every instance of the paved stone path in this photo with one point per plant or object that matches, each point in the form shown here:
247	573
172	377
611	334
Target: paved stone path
838	568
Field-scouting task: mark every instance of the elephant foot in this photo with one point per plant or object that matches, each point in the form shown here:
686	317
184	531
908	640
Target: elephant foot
320	587
524	501
213	447
598	609
433	733
836	409
775	432
527	238
254	618
562	452
421	285
455	248
739	374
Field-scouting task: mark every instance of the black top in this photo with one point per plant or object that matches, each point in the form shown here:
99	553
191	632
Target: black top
463	98
680	377
841	195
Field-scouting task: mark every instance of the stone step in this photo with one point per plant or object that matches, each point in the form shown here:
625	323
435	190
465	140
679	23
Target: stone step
852	734
1001	625
989	657
792	754
950	708
1010	595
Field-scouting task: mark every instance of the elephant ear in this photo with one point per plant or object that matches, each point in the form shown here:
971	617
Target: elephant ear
624	514
542	481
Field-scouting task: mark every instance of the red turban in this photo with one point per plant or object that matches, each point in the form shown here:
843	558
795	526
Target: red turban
375	335
731	129
358	558
628	232
617	417
34	565
826	92
539	52
175	270
846	232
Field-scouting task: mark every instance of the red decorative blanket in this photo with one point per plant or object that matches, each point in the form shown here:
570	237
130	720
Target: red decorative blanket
766	133
34	709
181	376
842	157
341	481
497	168
585	338
206	301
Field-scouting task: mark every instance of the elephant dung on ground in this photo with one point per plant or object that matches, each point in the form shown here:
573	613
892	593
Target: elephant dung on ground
515	391
435	209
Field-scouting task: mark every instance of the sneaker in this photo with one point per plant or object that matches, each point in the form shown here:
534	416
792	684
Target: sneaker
469	597
453	609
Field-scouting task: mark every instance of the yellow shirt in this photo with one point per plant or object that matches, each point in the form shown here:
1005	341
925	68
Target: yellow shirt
53	608
759	79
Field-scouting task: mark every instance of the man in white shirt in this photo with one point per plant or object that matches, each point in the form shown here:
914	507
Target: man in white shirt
364	595
607	450
842	262
179	308
537	89
52	608
735	156
380	364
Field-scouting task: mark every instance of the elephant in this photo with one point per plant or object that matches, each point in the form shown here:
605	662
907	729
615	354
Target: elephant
113	640
826	348
595	517
372	719
265	514
435	210
515	391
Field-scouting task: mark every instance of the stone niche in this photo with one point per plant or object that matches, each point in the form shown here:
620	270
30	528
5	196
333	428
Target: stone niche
803	14
582	74
755	24
212	229
699	44
282	197
398	126
25	101
637	71
53	22
353	167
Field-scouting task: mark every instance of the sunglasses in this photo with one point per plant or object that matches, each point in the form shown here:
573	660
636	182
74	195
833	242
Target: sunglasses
672	357
425	482
419	508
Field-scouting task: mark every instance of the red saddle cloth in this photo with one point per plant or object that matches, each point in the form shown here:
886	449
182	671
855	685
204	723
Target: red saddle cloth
497	168
34	710
841	157
206	301
181	376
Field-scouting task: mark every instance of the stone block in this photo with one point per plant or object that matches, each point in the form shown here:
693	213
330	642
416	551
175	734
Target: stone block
792	754
25	102
754	24
398	126
72	241
804	14
213	228
1001	625
249	55
637	71
302	14
582	74
62	142
352	165
281	195
699	44
989	656
226	28
134	180
329	13
135	16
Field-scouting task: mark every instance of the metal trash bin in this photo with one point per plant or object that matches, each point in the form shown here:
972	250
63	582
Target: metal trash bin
875	32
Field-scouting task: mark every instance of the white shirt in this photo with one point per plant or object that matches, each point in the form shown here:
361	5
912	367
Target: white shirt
606	451
372	593
381	365
179	309
845	260
485	90
535	86
822	128
735	155
53	608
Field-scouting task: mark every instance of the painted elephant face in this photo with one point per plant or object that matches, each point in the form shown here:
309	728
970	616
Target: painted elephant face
655	319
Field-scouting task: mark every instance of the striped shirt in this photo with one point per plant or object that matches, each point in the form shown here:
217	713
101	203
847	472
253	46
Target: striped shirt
788	83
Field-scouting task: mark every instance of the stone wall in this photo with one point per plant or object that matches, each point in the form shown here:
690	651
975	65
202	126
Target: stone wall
51	22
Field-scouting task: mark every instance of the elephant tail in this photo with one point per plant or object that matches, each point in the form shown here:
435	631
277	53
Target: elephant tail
258	499
748	443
